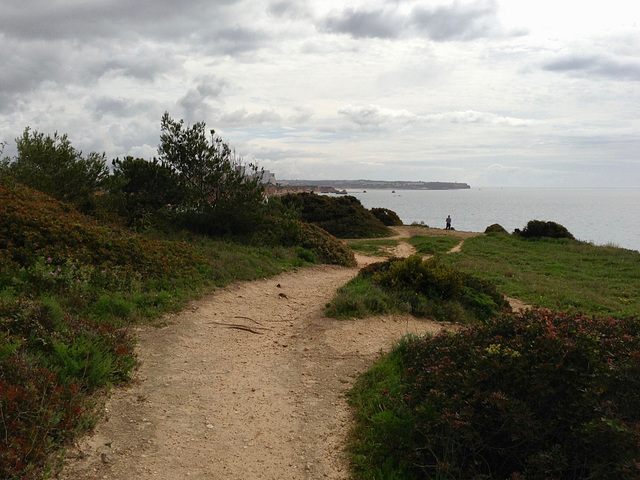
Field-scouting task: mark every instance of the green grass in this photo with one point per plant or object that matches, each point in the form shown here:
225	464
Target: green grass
433	245
376	416
373	248
562	275
361	298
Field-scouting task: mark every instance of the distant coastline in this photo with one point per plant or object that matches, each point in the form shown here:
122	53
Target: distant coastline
377	184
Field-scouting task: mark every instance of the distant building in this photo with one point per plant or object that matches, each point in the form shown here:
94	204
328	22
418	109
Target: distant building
265	177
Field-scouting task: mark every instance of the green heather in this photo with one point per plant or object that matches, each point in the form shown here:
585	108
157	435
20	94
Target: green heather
423	288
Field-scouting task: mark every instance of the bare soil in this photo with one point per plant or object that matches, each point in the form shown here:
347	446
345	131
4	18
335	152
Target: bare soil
247	383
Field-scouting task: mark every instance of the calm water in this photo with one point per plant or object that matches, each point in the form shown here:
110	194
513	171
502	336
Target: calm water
598	215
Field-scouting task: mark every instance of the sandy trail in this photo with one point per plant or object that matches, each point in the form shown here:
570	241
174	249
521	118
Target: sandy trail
214	402
247	383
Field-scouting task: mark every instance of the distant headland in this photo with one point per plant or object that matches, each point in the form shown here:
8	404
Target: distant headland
378	184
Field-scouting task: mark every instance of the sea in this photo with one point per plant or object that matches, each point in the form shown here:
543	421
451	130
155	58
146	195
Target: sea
602	216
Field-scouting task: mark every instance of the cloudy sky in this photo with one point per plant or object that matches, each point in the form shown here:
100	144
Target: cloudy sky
488	92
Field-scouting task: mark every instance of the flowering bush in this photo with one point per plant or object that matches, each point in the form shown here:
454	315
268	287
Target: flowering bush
538	395
37	410
54	265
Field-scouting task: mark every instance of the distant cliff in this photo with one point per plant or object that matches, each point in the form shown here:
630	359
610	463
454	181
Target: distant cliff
378	184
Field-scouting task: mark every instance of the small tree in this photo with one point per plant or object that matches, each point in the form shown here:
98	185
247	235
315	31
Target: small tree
50	164
223	195
145	187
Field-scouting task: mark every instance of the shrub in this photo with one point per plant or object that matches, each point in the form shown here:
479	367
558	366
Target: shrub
37	411
305	255
424	288
427	277
495	228
343	217
534	395
387	217
50	240
324	246
144	188
539	229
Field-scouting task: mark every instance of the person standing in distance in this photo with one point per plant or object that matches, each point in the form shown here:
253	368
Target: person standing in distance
448	222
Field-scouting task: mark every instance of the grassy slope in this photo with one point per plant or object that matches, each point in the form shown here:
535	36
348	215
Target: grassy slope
562	275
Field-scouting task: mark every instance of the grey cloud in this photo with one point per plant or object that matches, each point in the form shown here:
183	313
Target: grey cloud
234	39
366	24
25	67
608	66
374	116
293	9
88	20
140	64
445	23
30	65
244	118
456	21
194	102
472	116
218	28
118	107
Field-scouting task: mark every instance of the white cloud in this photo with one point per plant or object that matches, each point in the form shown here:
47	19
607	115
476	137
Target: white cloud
546	91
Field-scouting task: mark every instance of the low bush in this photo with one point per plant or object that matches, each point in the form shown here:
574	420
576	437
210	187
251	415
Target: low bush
291	232
324	246
540	229
37	411
424	288
535	395
495	228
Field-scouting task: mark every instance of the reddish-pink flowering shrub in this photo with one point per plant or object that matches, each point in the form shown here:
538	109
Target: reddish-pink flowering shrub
539	395
36	411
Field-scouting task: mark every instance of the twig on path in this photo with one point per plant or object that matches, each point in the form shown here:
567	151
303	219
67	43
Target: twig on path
248	318
238	326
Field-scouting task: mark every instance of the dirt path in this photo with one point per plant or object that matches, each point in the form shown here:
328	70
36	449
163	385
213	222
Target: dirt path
247	383
214	401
